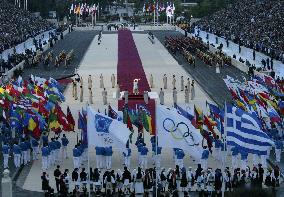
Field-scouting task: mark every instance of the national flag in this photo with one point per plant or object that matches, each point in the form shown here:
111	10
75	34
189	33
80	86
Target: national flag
176	131
114	114
244	133
104	131
210	125
70	119
198	116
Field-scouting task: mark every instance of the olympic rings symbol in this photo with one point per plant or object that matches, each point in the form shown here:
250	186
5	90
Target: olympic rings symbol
182	128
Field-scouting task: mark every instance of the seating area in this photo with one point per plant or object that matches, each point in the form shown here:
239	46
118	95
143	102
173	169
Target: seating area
251	23
17	25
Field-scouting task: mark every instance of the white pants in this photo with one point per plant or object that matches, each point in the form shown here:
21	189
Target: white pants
180	163
244	164
204	164
235	161
76	162
102	161
98	161
6	159
28	155
158	161
17	160
108	162
35	151
64	152
127	161
85	155
45	163
218	154
278	154
254	159
263	161
144	161
24	157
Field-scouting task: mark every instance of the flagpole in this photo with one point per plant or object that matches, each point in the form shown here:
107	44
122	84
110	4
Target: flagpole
156	142
225	150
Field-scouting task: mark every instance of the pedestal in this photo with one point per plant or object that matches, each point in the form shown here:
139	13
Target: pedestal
6	184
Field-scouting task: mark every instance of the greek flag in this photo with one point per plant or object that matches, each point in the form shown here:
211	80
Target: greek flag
244	131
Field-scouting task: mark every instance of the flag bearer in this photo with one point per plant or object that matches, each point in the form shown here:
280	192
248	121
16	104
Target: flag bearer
29	147
217	151
76	157
144	152
127	157
244	158
45	152
35	145
108	155
17	155
57	150
235	153
278	149
52	148
65	143
204	158
24	149
98	156
5	151
180	155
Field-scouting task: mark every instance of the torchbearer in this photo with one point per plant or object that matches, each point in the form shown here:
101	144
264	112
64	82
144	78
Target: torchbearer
175	96
165	81
104	94
146	97
181	83
135	86
174	81
81	89
5	151
161	96
151	81
186	95
278	149
117	95
112	80
102	81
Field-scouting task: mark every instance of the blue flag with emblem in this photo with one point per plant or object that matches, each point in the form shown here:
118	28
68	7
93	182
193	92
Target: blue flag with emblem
104	131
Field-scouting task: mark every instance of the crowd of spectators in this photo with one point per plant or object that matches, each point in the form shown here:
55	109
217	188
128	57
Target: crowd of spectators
17	25
256	24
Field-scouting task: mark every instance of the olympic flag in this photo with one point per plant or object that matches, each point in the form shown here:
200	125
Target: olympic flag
176	131
103	131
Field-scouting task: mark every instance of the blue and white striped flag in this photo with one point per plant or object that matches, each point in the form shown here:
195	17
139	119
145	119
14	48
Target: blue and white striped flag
244	131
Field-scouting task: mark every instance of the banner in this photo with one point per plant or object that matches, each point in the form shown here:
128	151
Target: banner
176	131
104	131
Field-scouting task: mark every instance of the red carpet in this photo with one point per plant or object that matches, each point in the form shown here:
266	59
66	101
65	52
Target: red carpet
129	67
